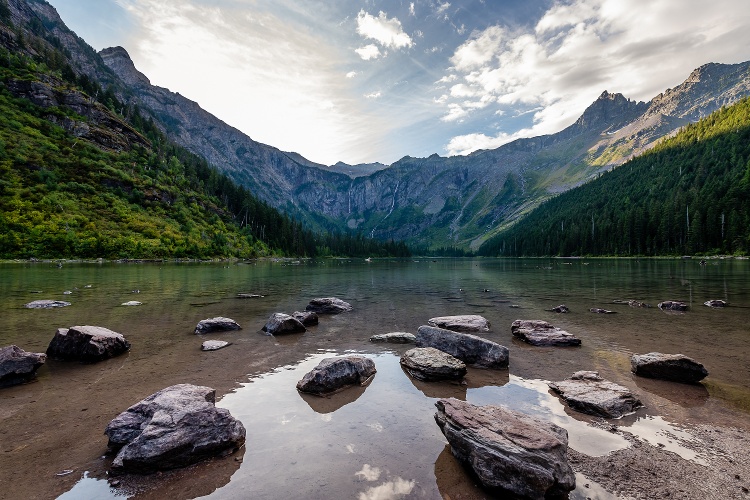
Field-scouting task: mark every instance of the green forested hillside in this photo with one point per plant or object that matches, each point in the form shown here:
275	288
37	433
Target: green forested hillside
690	194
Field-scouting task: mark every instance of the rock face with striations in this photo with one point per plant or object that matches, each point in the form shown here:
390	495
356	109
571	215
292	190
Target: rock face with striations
512	454
470	349
18	366
280	323
587	392
88	344
217	324
428	363
175	427
328	305
463	323
674	367
541	333
334	374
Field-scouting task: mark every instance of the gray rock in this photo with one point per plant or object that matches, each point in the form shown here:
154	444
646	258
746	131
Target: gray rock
280	323
428	363
510	453
674	367
213	345
328	305
18	366
462	323
218	324
175	427
242	295
562	308
541	333
601	311
395	338
672	305
587	392
715	303
636	303
132	303
46	304
88	344
334	374
307	318
470	349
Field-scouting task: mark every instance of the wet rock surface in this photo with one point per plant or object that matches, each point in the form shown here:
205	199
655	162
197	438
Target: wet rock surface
177	426
88	344
462	323
46	304
470	349
217	324
328	305
672	305
334	374
395	338
674	367
541	333
280	323
510	453
18	366
428	363
214	345
587	392
307	318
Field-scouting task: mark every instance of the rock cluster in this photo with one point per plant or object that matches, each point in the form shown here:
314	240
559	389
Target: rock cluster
587	392
428	363
463	323
88	344
541	333
674	367
470	349
334	374
18	366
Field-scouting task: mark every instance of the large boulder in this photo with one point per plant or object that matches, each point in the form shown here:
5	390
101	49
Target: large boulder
175	427
463	323
87	343
587	392
18	366
280	323
328	305
672	305
307	318
428	363
46	304
334	374
470	349
217	324
394	338
674	367
512	454
541	333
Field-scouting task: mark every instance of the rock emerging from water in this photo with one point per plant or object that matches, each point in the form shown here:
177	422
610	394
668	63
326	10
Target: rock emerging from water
466	323
218	324
328	305
307	318
674	367
280	323
512	454
395	338
715	303
562	308
132	303
214	345
334	374
428	363
541	333
470	349
175	427
46	304
672	305
244	295
601	311
87	344
587	392
18	366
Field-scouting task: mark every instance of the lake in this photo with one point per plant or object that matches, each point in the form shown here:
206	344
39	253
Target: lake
376	442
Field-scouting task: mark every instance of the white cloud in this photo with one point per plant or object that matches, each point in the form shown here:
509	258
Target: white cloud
389	490
465	144
442	7
352	74
387	32
368	473
368	52
411	9
374	95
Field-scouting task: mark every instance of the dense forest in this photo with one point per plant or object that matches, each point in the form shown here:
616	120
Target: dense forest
688	195
62	196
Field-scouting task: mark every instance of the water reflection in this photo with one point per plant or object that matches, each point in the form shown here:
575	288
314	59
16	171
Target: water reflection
91	488
334	402
685	395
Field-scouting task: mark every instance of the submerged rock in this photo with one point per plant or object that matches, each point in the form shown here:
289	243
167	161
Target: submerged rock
214	345
601	311
541	333
334	374
715	303
636	303
243	295
18	366
132	303
428	363
395	338
587	392
328	305
46	304
461	323
88	344
177	426
307	318
510	453
674	367
672	305
217	324
470	349
562	308
280	323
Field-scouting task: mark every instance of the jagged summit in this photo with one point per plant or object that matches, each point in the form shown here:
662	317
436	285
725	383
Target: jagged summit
118	59
611	109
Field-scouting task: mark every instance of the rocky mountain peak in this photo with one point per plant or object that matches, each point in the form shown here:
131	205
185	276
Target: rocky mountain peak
119	61
609	109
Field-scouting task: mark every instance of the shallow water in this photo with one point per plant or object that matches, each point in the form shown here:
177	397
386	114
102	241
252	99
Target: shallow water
375	442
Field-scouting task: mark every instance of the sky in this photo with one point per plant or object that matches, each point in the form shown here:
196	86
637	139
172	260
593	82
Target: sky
376	80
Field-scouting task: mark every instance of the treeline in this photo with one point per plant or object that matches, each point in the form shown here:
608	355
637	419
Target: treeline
688	195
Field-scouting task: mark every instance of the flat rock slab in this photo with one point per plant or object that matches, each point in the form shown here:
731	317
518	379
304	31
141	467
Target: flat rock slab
715	303
280	323
512	454
541	333
218	324
467	323
674	367
587	392
214	345
132	303
307	318
88	344
428	363
18	366
672	305
242	295
470	349
333	374
46	304
394	338
601	311
177	426
328	305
